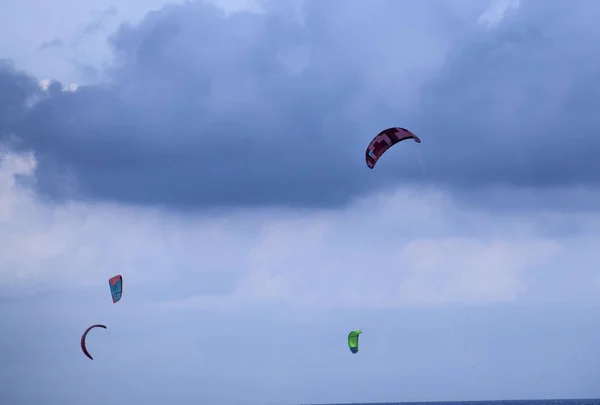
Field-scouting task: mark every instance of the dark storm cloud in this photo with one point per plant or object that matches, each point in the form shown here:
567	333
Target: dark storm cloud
518	105
16	89
204	109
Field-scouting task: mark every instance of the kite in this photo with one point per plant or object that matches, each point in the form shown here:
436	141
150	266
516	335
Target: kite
353	340
83	348
385	140
116	287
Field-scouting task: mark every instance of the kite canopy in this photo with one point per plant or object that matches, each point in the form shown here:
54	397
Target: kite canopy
116	287
385	140
83	348
353	340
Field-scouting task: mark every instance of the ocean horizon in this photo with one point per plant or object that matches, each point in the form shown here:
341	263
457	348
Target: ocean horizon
579	401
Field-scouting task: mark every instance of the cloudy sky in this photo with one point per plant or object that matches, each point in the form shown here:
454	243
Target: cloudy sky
213	154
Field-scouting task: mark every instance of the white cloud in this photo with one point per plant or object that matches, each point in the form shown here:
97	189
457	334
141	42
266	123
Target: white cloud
71	87
399	249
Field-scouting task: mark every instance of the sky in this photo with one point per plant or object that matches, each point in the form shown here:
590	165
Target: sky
212	153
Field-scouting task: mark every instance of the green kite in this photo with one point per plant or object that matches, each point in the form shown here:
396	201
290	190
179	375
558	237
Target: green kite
353	340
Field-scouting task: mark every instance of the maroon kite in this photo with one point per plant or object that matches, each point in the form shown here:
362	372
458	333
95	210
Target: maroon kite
385	140
83	339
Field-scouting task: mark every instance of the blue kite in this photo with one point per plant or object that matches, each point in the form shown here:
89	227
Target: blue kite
116	288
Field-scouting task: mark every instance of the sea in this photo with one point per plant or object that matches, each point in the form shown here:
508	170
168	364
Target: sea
498	402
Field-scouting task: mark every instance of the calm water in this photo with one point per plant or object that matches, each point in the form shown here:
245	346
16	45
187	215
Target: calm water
530	402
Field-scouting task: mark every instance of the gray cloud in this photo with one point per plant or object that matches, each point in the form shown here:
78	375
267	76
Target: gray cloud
97	23
277	108
16	91
454	303
54	43
518	103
